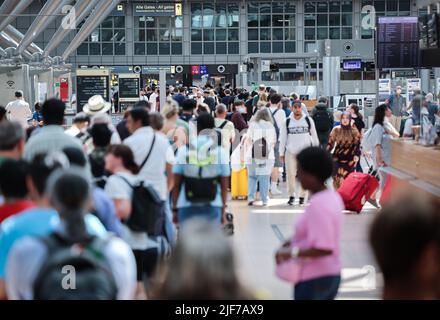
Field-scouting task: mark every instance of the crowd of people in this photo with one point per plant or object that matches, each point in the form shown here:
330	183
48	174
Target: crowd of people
142	201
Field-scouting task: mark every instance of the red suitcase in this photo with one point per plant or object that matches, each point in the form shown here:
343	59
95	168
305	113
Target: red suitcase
356	189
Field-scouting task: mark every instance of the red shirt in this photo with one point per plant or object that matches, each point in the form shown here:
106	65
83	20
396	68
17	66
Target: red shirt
9	209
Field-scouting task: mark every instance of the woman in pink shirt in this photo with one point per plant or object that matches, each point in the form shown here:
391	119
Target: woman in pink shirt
315	245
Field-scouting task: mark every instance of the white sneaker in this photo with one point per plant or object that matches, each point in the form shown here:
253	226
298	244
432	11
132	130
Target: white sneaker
274	190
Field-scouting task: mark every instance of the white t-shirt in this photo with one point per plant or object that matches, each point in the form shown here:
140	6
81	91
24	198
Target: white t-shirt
280	116
118	189
19	110
154	170
228	133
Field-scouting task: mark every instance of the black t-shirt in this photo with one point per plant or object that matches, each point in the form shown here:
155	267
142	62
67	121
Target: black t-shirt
123	132
359	124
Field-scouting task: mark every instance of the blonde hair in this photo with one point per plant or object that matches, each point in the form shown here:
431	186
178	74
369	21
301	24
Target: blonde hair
170	109
337	116
263	97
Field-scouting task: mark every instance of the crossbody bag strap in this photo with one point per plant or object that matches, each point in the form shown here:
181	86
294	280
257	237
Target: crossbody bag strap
148	154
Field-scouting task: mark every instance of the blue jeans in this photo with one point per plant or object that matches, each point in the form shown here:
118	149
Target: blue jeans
264	187
212	214
323	288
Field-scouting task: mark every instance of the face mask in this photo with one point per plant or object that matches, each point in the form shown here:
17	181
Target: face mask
242	110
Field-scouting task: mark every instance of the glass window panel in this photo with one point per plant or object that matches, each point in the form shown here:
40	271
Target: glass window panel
335	33
83	49
253	7
152	48
221	48
220	34
208	48
366	34
177	22
107	23
233	48
139	49
335	6
290	47
163	22
278	34
322	20
265	7
233	9
309	46
106	35
119	35
277	20
120	49
177	35
252	34
265	34
196	8
309	7
119	22
265	20
196	21
176	48
95	49
150	22
233	21
392	13
151	35
289	20
404	5
196	48
252	20
290	34
278	7
322	7
334	20
107	48
164	48
278	47
346	33
309	20
347	6
309	33
221	16
233	34
208	15
220	8
265	47
322	33
139	22
253	47
196	35
208	35
367	3
392	5
379	5
290	7
164	35
94	36
405	13
347	19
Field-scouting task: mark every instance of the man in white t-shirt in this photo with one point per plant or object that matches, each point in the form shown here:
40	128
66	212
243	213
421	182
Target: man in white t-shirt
153	100
157	170
279	120
18	110
226	127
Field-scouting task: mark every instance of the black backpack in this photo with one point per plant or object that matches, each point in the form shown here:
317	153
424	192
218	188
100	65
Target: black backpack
147	208
93	278
260	149
322	120
219	132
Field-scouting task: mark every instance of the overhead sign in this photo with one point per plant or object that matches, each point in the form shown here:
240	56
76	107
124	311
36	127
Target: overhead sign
157	9
204	69
119	10
156	69
384	89
129	87
91	82
195	70
352	64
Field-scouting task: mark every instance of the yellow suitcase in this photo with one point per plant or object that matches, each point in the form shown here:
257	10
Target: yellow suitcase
239	184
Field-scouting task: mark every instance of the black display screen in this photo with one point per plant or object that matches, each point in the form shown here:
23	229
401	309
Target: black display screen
89	86
129	87
397	42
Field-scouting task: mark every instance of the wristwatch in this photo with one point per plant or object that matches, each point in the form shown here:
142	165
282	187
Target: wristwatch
294	252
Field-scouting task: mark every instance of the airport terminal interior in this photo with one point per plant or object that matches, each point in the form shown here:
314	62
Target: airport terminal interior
339	98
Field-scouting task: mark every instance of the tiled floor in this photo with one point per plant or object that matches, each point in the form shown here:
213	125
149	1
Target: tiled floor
255	242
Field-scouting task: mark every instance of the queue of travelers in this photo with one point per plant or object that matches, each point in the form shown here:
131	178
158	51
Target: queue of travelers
165	170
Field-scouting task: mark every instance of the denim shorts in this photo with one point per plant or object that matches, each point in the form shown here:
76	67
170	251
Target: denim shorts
212	214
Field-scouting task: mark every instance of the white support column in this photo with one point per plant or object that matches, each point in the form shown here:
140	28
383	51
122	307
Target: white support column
162	87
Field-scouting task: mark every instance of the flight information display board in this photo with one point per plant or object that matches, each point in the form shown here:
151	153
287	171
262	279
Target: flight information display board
397	42
129	88
90	83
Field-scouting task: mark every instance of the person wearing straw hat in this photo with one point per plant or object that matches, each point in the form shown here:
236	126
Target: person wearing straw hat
96	104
